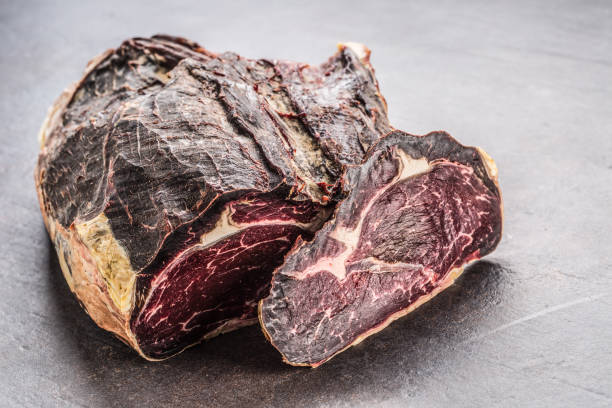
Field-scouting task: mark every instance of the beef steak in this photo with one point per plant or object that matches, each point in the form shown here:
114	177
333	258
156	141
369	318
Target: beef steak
418	210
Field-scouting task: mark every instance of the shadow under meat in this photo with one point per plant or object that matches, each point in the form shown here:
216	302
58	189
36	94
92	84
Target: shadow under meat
242	368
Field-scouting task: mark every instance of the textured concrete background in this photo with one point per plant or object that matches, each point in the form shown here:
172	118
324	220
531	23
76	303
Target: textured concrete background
531	82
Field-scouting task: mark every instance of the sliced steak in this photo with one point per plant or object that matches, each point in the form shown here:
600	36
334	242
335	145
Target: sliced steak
416	212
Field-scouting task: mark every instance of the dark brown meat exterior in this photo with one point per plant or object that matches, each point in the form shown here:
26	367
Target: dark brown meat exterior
417	211
173	180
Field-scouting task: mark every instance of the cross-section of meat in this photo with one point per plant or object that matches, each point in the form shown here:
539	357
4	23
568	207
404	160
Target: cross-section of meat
417	211
173	180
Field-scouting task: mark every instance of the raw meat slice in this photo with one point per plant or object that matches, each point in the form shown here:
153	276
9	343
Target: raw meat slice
416	212
173	180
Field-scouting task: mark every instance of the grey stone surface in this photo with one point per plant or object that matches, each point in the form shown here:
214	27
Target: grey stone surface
531	82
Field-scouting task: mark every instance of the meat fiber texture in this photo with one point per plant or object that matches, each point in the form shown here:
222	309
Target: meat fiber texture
174	182
418	210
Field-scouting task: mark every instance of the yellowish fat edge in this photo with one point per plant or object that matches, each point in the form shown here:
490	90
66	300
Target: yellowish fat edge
86	282
111	259
493	174
362	52
489	163
64	265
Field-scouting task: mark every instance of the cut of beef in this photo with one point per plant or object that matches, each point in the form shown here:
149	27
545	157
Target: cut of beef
173	180
416	212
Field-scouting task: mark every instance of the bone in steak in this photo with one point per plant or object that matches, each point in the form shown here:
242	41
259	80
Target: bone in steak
173	180
417	211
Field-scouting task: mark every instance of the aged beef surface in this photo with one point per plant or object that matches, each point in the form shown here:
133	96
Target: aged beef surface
173	180
417	211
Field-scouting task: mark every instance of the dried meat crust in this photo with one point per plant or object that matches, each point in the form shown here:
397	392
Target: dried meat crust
173	181
150	162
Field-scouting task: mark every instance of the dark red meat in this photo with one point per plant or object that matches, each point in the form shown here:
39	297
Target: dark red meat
417	211
173	182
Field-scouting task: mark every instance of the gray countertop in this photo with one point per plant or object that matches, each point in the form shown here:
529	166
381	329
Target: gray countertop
530	82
